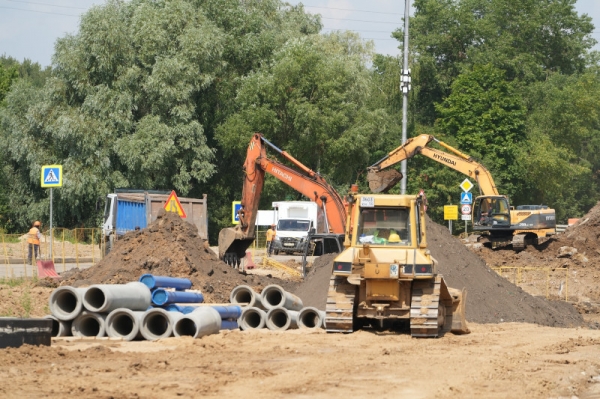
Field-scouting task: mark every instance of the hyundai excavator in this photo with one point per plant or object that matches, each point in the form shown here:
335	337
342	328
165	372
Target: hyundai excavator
386	275
492	215
233	241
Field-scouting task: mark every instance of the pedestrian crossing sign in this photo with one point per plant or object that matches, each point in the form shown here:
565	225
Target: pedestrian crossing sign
173	205
52	176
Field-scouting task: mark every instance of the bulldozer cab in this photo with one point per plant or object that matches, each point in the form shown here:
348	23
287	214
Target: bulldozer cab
384	226
491	212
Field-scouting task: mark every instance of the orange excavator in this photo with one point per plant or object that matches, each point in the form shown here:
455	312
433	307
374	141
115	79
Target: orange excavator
492	215
233	241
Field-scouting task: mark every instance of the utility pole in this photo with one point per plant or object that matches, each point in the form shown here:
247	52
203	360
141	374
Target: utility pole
405	88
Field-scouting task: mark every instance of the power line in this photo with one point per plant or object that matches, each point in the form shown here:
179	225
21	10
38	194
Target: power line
349	9
360	20
46	4
359	30
40	12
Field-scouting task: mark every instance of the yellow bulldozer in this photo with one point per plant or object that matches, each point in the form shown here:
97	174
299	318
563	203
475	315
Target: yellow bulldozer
386	273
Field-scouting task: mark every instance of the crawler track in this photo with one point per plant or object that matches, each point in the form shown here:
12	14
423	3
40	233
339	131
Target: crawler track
340	305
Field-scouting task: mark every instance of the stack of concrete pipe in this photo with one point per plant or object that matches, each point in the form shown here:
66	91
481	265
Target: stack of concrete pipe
275	309
125	311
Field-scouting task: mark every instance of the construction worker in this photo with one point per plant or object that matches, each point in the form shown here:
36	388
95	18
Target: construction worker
33	239
270	238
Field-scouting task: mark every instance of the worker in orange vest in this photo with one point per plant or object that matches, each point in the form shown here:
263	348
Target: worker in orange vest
33	240
270	237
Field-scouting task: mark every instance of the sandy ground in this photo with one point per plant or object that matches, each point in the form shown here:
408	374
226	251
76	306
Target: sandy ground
494	361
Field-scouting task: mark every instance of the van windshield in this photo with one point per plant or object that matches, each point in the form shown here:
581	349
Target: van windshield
384	226
293	225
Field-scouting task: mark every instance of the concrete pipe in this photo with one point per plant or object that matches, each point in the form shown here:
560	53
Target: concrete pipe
252	319
281	319
153	282
66	302
310	317
89	324
108	297
201	322
124	323
156	323
245	296
60	328
274	296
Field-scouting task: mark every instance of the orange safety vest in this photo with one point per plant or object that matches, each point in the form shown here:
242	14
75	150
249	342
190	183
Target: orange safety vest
270	234
33	236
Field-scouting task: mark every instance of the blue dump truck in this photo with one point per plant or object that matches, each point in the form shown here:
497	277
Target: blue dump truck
127	210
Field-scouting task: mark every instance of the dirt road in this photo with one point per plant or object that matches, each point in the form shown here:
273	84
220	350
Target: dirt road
495	361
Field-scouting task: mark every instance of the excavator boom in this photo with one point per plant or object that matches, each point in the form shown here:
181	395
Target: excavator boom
233	241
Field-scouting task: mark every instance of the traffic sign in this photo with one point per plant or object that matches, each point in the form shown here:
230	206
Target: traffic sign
466	198
465	217
466	185
465	209
450	212
52	176
235	207
173	205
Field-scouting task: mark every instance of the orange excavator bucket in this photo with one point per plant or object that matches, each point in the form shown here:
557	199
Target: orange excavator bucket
383	180
233	245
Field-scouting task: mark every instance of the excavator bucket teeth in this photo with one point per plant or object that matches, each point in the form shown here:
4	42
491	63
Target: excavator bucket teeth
382	181
231	245
459	320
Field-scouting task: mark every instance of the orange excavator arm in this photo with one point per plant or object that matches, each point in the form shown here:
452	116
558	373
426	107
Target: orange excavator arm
420	145
233	242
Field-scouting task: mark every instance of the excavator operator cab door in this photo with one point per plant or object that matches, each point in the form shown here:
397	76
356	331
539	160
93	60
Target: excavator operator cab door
491	212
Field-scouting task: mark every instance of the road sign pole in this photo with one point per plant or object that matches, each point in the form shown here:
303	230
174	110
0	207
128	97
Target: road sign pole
50	250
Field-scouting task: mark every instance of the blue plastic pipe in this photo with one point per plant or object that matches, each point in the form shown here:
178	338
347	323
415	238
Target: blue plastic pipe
172	308
229	325
229	312
160	297
153	282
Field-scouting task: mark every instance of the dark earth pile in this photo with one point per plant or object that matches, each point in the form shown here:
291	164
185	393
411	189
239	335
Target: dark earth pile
490	297
169	246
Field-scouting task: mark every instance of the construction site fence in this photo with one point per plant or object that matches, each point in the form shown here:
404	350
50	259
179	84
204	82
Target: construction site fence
550	282
70	248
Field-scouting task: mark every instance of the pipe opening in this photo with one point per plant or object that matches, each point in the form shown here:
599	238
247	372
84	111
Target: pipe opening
279	318
157	324
274	297
243	296
310	319
122	324
186	327
55	327
94	297
89	326
252	319
66	301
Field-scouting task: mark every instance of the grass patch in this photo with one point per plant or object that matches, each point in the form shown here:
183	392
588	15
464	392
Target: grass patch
13	282
26	303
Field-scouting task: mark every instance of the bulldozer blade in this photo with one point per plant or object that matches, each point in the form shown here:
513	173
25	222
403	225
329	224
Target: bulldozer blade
382	181
232	244
459	320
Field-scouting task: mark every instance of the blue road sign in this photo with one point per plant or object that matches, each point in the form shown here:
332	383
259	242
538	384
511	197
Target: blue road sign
466	198
235	207
51	176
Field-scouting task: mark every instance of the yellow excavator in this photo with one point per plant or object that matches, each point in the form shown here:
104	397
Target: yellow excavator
492	215
386	275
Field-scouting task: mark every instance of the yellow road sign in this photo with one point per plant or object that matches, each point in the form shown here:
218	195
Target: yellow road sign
173	205
466	185
450	212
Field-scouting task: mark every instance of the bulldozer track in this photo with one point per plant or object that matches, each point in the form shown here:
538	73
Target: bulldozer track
427	315
340	305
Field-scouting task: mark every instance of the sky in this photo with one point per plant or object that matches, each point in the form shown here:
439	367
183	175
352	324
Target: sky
29	28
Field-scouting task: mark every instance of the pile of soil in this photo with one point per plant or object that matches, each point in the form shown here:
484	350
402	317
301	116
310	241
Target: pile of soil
582	266
169	246
490	297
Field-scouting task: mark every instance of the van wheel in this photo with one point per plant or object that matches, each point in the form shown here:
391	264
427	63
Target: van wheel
276	251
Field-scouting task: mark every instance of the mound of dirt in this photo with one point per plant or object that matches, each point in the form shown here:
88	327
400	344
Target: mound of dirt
490	297
169	246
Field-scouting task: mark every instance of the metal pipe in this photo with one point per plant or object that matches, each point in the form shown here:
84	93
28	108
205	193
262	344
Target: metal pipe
60	328
124	323
153	282
66	303
156	323
281	319
274	296
108	297
89	324
229	325
311	317
245	296
203	321
252	319
160	297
